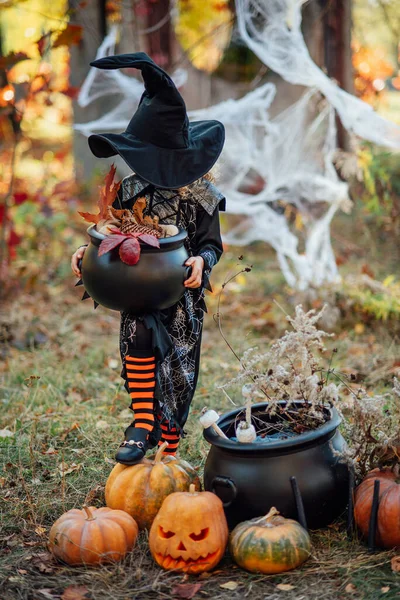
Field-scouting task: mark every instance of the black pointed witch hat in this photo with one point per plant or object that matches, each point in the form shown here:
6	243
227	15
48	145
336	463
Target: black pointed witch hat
160	144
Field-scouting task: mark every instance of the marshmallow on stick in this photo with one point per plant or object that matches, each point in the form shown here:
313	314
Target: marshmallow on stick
209	418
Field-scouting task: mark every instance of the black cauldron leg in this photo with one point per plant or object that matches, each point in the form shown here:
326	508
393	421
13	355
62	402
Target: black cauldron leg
78	283
350	507
95	304
85	296
301	515
373	520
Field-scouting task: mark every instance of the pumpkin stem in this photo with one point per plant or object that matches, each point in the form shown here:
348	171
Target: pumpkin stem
273	512
192	488
88	512
159	452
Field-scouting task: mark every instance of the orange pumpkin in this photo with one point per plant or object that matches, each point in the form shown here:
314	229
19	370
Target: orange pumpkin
388	520
270	544
141	489
190	532
92	536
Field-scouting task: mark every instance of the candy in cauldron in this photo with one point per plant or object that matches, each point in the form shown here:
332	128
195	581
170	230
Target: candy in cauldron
153	283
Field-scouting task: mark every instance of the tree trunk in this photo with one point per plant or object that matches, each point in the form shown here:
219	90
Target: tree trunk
158	36
93	20
337	51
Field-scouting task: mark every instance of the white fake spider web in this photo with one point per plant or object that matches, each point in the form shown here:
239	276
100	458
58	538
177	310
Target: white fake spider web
269	163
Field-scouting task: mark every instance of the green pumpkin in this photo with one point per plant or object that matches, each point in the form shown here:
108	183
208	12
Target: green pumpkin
270	544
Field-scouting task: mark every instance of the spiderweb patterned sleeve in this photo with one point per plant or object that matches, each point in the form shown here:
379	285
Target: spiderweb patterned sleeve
208	242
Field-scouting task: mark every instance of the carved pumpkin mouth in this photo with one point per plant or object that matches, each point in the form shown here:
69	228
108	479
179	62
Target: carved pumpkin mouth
169	562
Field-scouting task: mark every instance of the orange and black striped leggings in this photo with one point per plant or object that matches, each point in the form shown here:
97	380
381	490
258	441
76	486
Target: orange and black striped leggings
140	369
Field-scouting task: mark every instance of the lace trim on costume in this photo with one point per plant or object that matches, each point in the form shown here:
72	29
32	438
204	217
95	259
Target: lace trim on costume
204	191
207	195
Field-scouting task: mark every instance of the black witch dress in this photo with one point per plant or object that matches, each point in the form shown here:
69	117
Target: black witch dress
176	331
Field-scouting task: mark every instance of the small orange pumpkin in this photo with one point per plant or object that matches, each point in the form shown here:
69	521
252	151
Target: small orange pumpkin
141	489
92	536
388	520
270	544
190	532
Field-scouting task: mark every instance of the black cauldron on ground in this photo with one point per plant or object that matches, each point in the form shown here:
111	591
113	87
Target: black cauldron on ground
251	478
154	283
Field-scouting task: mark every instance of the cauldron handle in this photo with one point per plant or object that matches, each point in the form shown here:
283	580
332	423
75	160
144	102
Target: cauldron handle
225	482
188	272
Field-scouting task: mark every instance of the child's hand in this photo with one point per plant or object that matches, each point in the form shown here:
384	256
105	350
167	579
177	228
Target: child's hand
197	264
76	257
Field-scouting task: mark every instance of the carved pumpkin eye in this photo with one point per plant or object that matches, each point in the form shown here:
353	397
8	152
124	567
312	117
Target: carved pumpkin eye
197	537
166	534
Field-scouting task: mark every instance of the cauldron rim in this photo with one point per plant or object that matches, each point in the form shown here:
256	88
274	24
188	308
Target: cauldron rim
167	243
303	439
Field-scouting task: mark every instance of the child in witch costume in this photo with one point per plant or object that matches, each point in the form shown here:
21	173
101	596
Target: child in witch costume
170	159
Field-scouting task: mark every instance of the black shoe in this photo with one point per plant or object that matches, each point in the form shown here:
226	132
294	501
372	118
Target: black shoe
133	449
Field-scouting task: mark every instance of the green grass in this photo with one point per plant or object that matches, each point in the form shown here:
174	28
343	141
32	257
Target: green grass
65	404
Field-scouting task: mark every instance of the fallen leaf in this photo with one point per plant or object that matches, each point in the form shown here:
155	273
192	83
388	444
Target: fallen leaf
110	242
29	381
22	571
44	562
75	592
129	251
395	564
107	196
350	588
138	209
66	432
65	469
205	575
229	585
94	494
39	543
50	450
285	587
40	530
185	590
385	589
102	425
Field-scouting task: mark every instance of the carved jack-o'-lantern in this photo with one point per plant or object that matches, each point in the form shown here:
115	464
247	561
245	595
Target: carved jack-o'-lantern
190	532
